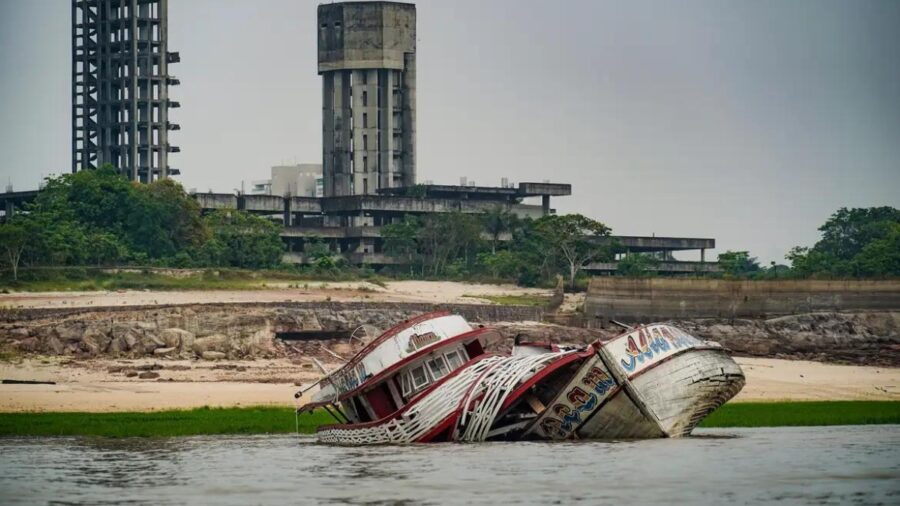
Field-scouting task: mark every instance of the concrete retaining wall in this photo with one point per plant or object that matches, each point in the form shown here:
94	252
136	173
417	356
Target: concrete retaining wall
653	299
477	313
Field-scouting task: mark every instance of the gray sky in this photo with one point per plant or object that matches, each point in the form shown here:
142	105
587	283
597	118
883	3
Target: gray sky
749	122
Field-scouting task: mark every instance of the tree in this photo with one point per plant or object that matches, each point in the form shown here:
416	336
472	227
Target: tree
99	216
881	257
320	255
496	221
855	242
572	236
738	263
105	249
249	241
14	238
637	265
400	240
848	231
164	220
443	238
503	264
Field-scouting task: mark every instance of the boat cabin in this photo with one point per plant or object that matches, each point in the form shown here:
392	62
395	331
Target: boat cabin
400	364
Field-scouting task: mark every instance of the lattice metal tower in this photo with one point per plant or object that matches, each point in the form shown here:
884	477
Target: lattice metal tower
367	60
120	87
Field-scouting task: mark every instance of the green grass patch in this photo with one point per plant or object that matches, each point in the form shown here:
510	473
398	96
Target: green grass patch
514	300
273	420
787	414
257	420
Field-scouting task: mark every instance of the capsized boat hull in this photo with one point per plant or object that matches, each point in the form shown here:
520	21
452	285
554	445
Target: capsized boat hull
669	400
655	381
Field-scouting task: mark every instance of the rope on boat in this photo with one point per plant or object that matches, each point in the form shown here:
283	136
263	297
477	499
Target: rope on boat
423	417
493	388
486	383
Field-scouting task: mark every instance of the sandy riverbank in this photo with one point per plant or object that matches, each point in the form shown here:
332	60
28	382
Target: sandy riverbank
438	292
89	386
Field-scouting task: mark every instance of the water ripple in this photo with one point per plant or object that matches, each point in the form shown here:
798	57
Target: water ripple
834	465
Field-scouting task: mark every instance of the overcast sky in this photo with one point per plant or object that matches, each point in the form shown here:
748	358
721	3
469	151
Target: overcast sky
749	122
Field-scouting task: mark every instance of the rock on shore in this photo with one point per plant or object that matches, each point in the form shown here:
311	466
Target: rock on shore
238	331
865	338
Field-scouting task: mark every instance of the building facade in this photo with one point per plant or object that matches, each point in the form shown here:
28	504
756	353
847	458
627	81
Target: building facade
120	87
367	60
300	180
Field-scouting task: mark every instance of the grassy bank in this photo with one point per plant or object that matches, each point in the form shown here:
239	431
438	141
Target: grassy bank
258	420
785	414
281	420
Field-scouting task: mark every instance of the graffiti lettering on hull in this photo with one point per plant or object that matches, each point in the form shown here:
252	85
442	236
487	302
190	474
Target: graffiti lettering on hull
584	394
648	345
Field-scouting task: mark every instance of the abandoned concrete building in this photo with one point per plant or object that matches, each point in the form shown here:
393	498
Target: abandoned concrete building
367	62
120	87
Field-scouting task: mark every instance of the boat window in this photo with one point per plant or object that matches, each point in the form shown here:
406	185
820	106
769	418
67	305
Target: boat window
405	384
438	367
454	359
419	377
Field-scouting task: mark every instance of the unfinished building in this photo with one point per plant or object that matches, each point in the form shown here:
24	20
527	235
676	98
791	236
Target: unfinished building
120	87
367	60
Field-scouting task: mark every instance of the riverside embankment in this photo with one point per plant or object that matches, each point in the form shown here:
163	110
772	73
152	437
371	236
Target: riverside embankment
139	355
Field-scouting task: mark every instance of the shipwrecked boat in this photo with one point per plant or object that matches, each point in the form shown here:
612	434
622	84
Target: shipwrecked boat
429	379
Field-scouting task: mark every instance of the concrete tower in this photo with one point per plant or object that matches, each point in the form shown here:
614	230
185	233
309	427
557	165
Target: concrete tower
367	60
120	87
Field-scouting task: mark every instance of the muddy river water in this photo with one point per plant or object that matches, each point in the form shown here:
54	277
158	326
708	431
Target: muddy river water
826	465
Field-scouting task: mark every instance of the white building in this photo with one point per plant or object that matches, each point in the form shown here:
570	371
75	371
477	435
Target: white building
300	180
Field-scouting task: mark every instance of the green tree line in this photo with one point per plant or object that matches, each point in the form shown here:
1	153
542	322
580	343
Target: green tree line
98	218
496	244
855	243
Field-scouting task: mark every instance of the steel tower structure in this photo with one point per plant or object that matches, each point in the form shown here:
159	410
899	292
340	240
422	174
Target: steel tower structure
120	87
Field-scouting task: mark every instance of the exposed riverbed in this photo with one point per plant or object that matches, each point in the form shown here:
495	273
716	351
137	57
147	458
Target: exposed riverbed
826	465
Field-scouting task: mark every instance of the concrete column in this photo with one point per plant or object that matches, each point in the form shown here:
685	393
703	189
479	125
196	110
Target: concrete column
545	204
702	255
345	183
385	132
408	120
163	161
288	215
328	168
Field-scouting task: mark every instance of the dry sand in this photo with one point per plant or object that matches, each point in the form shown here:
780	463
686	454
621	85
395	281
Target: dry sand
770	379
438	292
88	386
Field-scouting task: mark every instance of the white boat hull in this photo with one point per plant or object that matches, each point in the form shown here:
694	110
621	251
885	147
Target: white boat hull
669	400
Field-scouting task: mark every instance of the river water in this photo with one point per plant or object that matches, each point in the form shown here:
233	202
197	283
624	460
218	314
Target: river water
827	465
